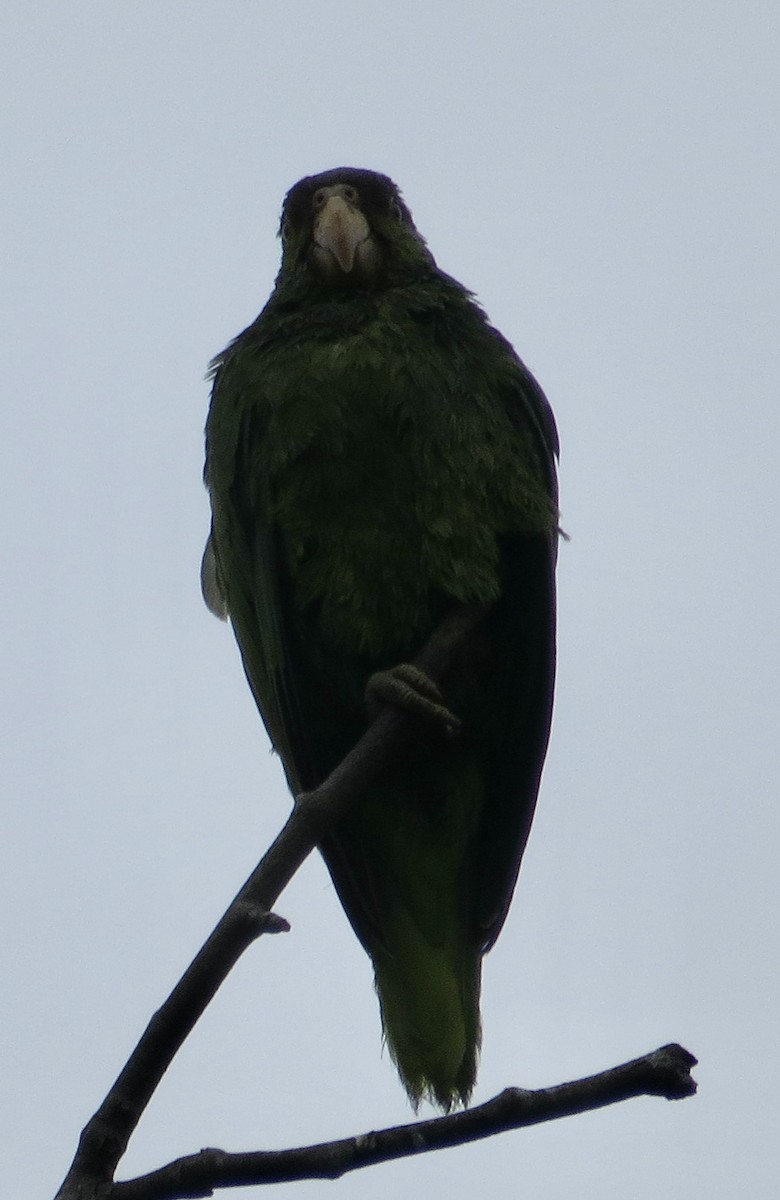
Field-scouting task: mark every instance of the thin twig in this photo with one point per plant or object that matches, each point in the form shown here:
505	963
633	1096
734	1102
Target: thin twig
664	1072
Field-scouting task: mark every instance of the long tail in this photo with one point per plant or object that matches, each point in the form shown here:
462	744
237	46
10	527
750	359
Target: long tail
429	999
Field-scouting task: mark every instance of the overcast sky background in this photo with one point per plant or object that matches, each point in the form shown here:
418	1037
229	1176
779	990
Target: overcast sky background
603	176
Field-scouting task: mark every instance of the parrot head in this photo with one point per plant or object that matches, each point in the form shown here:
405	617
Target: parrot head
350	228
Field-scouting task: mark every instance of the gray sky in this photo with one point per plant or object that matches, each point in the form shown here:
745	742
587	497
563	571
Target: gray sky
601	174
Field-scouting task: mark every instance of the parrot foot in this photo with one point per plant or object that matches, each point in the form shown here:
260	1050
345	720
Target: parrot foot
409	688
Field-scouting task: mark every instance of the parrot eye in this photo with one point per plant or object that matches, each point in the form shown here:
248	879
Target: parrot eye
349	193
396	210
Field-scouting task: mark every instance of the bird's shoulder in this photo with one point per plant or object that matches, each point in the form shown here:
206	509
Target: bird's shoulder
313	356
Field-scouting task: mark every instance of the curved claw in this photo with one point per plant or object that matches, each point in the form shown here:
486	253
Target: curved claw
409	688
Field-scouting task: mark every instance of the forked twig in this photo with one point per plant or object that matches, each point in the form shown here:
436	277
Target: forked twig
665	1072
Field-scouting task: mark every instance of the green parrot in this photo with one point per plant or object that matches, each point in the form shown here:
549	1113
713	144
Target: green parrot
376	455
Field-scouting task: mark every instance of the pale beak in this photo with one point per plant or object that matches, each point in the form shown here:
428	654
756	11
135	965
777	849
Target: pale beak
340	230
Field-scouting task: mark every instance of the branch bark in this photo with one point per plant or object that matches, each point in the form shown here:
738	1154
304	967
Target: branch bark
664	1072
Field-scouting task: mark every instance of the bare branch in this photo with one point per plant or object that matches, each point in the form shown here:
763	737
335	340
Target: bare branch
105	1137
664	1072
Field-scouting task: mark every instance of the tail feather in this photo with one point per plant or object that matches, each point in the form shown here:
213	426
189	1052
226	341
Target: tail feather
400	862
429	1000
